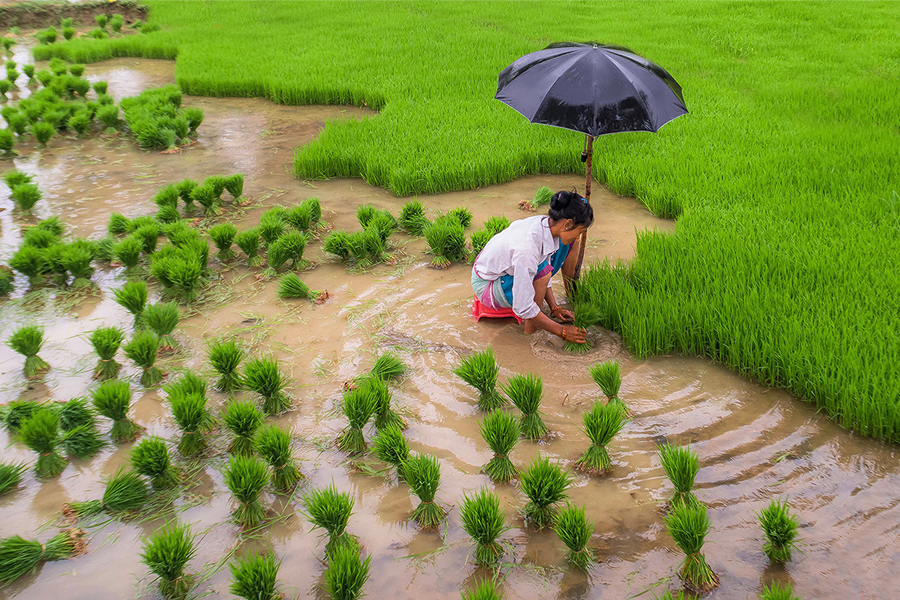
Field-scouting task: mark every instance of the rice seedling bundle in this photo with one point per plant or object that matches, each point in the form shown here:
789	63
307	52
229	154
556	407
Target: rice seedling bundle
162	319
246	476
479	240
7	280
574	529
248	242
155	117
541	197
271	226
381	395
7	140
128	251
346	573
166	553
166	196
681	465
180	234
150	458
112	399
53	257
243	419
148	236
76	259
330	510
384	222
688	525
225	356
483	590
40	238
338	243
291	286
185	272
234	184
388	367
190	412
263	376
358	407
11	76
185	187
80	121
100	87
776	591
143	350
79	424
31	262
255	577
412	218
222	236
501	432
27	341
98	34
40	432
299	217
117	224
19	556
26	195
391	447
102	20
525	392
364	214
116	22
15	177
607	376
125	491
205	196
167	214
586	315
19	123
545	484
29	72
480	370
288	247
42	132
463	215
483	519
496	224
108	114
10	476
274	445
423	474
780	528
447	242
17	412
218	183
601	424
194	117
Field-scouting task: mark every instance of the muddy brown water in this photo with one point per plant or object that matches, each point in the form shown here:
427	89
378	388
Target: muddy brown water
755	443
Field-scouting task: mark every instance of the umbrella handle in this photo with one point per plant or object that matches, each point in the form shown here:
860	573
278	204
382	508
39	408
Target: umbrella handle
587	154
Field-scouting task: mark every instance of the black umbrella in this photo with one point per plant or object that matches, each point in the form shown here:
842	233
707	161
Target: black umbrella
592	88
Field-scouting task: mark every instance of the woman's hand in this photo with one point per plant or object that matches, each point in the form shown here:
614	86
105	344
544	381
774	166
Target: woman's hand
562	314
573	334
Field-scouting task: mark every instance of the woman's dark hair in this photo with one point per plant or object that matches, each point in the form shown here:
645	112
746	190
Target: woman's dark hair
570	205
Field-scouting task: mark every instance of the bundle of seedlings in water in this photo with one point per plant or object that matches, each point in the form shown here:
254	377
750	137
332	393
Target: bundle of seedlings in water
681	465
274	445
423	474
124	491
292	287
358	407
778	592
289	247
346	573
545	484
112	400
27	340
263	376
190	412
19	556
162	319
11	475
314	208
166	196
272	224
299	217
446	239
688	525
143	350
330	510
79	424
601	424
185	187
480	370
243	419
17	412
248	242
40	433
166	553
77	258
225	356
223	237
575	531
150	458
31	262
391	447
205	196
148	235
7	280
235	185
607	376
412	218
483	520
42	132
484	590
780	527
388	367
501	432
246	476
586	315
381	394
133	297
525	392
463	215
541	197
256	577
117	224
217	183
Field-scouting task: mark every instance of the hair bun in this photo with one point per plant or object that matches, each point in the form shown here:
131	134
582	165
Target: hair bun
560	201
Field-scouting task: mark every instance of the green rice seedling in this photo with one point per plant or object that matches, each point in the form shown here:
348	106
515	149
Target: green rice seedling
463	215
148	236
58	66
274	445
479	240
447	242
391	447
607	376
290	246
218	184
162	319
102	20
601	424
483	519
104	249
108	114
116	22
346	573
778	592
586	315
299	217
42	132
194	117
190	412
525	392
667	595
263	376
167	214
76	259
271	226
314	208
19	556
358	407
45	78
125	491
381	395
112	399
234	183
76	70
97	34
190	383
100	87
780	527
12	75
11	475
364	214
541	197
133	297
186	276
480	370
545	485
25	196
255	577
29	72
150	458
338	243
166	196
388	367
185	187
52	225
423	474
67	22
330	510
68	32
574	529
79	424
384	222
484	590
222	236
14	178
40	238
118	224
246	476
19	123
243	419
501	432
225	357
292	287
7	280
180	234
496	224
17	412
31	262
412	218
54	257
681	465
248	242
688	525
40	433
128	251
27	341
166	553
205	196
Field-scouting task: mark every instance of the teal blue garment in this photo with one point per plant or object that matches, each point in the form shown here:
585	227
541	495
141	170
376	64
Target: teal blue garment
556	263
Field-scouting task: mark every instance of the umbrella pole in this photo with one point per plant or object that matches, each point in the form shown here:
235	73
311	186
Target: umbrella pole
589	151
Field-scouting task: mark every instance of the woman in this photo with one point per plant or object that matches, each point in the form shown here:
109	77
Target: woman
514	268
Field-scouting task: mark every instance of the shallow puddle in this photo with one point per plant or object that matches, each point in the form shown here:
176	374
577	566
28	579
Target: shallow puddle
755	443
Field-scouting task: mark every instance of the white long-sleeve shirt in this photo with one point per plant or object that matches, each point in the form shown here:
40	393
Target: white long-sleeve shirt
517	251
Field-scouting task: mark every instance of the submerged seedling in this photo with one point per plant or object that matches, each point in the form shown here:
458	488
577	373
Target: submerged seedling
681	465
545	484
225	357
501	432
242	419
263	376
525	392
423	474
246	476
601	424
483	519
330	510
274	445
112	399
27	340
780	527
575	531
166	553
480	370
255	577
40	433
390	446
688	525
